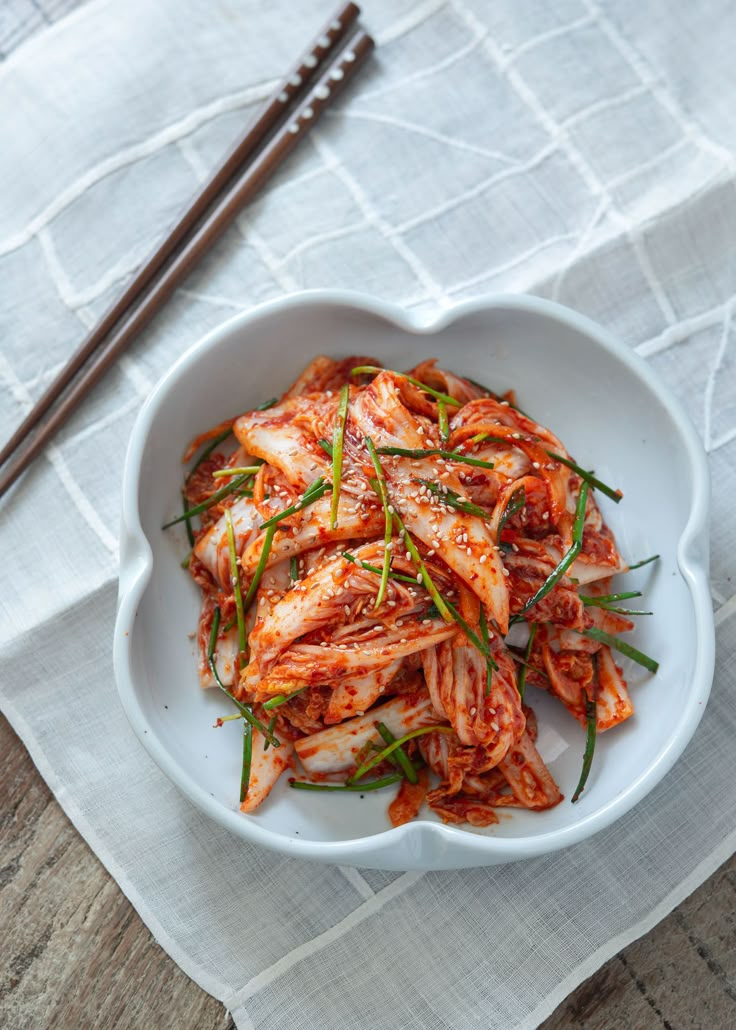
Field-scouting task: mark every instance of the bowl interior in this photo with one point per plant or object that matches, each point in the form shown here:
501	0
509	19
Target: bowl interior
609	419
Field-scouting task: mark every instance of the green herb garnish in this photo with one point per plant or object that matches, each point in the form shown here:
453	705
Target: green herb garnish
432	590
442	421
314	491
326	447
267	404
615	495
338	438
591	715
452	499
247	760
187	521
235	580
281	699
521	681
379	485
426	452
389	750
359	788
620	645
210	502
260	568
379	572
590	600
646	561
399	754
243	709
566	561
271	725
243	470
472	636
516	502
483	623
373	370
209	449
294	569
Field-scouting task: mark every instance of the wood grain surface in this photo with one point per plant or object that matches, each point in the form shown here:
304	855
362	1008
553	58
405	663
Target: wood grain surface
74	953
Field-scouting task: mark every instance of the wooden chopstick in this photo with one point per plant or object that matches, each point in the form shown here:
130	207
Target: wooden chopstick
287	93
263	165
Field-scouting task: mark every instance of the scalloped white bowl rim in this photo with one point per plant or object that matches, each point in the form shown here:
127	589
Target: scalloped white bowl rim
459	847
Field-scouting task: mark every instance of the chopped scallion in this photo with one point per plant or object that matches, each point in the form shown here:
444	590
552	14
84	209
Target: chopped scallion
374	370
237	591
338	438
591	715
247	760
358	788
567	559
380	488
409	452
314	491
210	502
389	750
623	647
521	681
399	754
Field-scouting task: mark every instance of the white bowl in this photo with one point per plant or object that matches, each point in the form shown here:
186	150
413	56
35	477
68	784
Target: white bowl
612	414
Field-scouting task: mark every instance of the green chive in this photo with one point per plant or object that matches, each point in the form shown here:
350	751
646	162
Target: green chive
486	640
267	404
615	495
326	447
373	370
358	788
245	470
338	438
235	579
209	449
260	568
442	420
271	724
408	452
184	563
566	561
591	715
367	766
294	569
247	759
226	629
380	487
517	500
646	561
622	611
432	590
521	681
620	645
451	499
472	636
379	572
313	493
590	600
243	709
187	520
281	699
214	499
400	755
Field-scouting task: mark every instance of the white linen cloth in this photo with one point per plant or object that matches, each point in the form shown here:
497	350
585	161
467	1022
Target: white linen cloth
579	150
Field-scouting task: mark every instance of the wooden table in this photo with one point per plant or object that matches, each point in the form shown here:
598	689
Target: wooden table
75	954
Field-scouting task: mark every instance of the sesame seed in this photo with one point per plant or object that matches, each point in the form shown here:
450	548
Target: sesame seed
506	572
419	577
403	640
494	726
483	559
545	516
